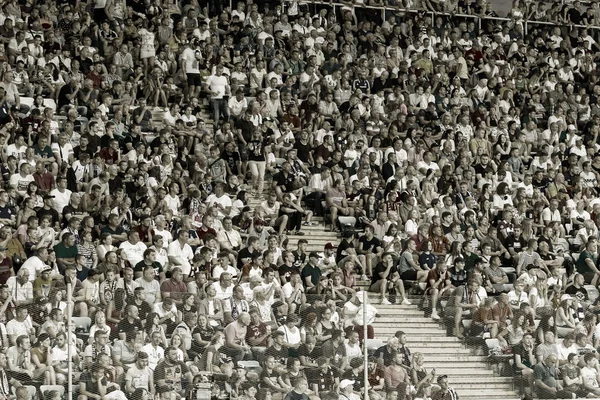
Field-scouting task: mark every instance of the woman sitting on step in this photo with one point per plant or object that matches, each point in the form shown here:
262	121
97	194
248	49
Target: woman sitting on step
387	276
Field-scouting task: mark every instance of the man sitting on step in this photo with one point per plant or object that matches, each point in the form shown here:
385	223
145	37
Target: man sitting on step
462	304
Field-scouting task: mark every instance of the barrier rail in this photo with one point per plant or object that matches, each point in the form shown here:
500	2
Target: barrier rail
386	10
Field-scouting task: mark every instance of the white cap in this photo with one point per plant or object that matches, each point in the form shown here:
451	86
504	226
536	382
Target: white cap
346	382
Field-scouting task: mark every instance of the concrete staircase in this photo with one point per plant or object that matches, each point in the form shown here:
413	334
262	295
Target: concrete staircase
469	374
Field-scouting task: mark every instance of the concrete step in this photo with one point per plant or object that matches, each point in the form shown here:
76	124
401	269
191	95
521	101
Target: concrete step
450	358
416	318
462	387
405	316
484	393
465	380
317	232
428	323
381	332
428	350
465	372
315	237
501	396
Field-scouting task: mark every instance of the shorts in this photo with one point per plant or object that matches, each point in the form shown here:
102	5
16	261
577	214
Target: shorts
194	80
589	276
410	275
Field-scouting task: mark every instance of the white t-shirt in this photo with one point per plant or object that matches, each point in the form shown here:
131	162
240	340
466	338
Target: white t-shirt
134	252
224	201
184	255
155	354
20	183
173	203
34	265
61	199
589	376
191	63
218	270
23	292
19	153
217	84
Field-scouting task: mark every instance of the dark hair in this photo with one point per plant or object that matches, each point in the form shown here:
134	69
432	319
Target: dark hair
138	394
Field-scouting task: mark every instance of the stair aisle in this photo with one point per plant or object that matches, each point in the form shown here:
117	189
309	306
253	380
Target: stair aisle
468	374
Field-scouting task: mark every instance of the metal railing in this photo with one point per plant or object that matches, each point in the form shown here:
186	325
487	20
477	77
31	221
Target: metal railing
387	10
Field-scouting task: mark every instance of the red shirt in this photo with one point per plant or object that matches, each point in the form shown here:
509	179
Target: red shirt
44	181
175	289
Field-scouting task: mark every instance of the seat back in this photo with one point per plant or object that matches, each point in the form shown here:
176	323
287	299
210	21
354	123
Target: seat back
82	323
31	389
251	366
592	292
373	344
492	344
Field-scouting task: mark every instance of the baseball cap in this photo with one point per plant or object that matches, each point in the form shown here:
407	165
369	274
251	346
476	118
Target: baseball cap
329	246
346	382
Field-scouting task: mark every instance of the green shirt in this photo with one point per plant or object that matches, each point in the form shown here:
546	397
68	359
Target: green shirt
65	252
582	266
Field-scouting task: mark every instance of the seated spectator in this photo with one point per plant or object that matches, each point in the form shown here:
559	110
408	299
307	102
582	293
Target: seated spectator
386	276
547	382
525	360
462	303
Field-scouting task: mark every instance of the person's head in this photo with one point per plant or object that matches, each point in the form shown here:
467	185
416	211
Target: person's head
442	382
142	360
22	392
23	342
140	394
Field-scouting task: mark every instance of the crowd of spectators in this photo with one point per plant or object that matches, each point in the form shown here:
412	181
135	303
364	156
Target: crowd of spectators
163	159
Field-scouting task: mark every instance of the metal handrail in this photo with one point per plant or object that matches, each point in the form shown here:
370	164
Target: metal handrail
386	8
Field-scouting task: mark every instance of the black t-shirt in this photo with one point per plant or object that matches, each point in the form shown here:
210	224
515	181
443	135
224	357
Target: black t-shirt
231	160
244	253
313	272
285	271
357	378
90	386
458	278
51	212
303	150
521	351
369	245
286	181
280	355
386	354
343	246
255	151
139	267
133	139
246	127
550	247
379	268
580	293
310	356
575	16
324	380
299	259
62	95
125	326
7	212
